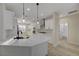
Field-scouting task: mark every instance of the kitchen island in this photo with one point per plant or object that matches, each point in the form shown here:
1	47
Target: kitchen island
36	45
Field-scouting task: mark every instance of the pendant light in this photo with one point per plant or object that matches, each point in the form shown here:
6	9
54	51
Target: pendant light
23	17
37	9
37	4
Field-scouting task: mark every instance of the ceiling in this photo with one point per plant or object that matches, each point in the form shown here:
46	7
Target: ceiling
44	9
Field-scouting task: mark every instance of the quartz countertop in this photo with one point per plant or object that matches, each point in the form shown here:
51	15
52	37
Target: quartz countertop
32	41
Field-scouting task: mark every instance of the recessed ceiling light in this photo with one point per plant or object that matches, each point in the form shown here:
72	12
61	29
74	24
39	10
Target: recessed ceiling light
28	9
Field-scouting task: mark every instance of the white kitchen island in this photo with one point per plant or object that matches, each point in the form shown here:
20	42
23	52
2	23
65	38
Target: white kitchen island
37	45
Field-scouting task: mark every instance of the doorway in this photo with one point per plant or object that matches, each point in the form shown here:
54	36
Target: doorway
64	30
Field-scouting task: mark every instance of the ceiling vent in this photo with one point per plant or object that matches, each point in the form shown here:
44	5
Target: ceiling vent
74	11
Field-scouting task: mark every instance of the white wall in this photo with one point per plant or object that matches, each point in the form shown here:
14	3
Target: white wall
55	29
73	22
7	24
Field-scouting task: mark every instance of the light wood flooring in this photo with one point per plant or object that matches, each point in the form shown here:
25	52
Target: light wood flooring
64	49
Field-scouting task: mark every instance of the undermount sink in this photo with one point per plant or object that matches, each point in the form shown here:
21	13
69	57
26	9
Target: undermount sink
20	38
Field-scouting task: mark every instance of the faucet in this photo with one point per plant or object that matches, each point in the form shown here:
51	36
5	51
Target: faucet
18	37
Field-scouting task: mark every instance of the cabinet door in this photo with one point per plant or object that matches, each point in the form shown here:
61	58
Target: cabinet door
8	20
49	24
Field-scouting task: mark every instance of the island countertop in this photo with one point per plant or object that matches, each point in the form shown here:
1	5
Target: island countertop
32	41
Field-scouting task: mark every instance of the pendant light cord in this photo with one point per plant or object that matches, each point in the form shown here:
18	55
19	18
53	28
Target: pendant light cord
37	9
23	11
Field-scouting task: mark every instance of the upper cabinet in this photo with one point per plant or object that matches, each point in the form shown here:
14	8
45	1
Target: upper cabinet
8	18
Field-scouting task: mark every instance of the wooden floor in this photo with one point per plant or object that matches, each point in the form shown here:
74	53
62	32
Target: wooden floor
63	49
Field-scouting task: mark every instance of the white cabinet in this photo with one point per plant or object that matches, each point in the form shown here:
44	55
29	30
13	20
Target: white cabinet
37	45
8	17
8	24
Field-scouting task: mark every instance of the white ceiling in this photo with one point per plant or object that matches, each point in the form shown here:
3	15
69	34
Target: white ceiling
44	10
